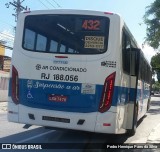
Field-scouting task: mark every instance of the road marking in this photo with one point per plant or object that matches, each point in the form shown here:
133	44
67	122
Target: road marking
37	136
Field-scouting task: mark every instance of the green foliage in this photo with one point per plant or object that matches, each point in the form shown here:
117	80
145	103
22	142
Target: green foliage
155	63
152	20
158	76
156	86
153	81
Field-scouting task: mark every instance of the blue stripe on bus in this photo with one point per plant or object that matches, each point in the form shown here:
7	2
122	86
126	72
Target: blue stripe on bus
34	93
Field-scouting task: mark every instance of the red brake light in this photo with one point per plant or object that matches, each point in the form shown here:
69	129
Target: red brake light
15	86
107	94
106	124
110	13
61	57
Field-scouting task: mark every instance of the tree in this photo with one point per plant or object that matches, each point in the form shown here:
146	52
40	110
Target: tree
155	63
153	81
152	20
156	86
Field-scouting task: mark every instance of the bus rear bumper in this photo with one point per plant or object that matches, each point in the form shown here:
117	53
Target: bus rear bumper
57	119
106	122
92	122
13	112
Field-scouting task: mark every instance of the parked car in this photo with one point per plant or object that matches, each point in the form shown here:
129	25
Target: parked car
152	92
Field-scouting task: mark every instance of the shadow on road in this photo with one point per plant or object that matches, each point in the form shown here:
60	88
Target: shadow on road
140	120
155	108
155	103
154	111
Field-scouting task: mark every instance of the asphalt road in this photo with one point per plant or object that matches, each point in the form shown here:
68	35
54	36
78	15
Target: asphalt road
15	133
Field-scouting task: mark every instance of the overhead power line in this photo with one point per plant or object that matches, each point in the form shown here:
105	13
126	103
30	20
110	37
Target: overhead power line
7	35
56	3
50	3
43	4
8	47
17	6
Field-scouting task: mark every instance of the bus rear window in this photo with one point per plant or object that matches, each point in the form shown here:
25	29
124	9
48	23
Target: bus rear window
66	34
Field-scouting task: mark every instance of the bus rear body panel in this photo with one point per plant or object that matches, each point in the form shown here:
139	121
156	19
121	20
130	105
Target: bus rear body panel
71	101
60	75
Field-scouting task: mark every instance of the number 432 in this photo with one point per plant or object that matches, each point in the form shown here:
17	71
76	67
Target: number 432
91	24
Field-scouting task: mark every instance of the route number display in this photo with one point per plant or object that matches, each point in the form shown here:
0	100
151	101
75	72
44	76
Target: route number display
91	25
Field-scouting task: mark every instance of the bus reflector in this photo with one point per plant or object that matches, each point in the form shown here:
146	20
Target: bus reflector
107	93
106	124
15	86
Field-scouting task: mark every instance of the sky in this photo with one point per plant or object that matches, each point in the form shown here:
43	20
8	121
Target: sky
132	12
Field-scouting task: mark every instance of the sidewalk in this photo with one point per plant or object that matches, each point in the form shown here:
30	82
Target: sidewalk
154	136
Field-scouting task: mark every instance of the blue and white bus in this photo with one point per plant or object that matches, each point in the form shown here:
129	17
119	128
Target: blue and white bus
77	69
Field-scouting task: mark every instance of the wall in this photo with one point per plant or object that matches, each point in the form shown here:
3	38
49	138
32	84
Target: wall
4	80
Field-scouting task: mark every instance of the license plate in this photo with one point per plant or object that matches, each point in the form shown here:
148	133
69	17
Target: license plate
57	98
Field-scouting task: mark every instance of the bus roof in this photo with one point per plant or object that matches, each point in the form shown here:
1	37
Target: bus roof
70	11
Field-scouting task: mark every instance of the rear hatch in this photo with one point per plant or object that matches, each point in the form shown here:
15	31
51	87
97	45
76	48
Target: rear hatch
58	49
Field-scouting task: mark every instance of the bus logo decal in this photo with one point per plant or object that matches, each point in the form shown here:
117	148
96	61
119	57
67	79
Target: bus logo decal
38	67
88	88
110	64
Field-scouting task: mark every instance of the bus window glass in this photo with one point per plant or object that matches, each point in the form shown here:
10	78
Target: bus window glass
41	43
126	53
56	33
53	46
62	48
70	50
29	39
133	63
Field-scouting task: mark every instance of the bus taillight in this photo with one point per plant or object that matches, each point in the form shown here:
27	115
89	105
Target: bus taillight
107	93
15	86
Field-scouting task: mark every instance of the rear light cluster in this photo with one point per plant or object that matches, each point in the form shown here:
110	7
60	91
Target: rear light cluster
15	85
107	94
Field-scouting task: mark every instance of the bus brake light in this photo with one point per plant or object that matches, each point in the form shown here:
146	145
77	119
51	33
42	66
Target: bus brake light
107	93
61	57
15	85
106	124
109	13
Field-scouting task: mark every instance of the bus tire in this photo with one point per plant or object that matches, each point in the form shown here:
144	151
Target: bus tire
131	132
148	104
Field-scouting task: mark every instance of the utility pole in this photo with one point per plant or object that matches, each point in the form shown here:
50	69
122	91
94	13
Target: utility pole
17	7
